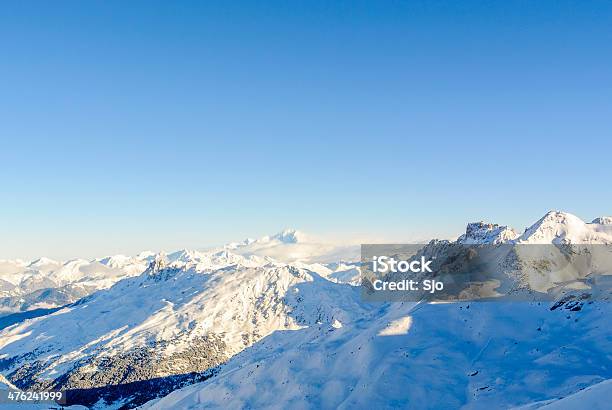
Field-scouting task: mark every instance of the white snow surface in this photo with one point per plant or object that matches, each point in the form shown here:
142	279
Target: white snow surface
438	356
595	397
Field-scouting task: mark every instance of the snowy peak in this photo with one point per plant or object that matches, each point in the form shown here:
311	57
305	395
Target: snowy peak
287	236
290	236
183	255
116	261
563	227
603	220
487	233
44	264
292	245
554	227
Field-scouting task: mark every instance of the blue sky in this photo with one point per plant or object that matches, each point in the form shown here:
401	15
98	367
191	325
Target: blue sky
134	125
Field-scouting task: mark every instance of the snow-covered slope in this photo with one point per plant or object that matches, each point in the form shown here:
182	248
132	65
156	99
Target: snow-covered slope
595	397
421	356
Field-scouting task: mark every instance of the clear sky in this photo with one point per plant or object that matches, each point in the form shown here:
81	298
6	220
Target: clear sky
145	125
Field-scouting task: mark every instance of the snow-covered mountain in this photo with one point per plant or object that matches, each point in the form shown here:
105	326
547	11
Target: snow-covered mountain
561	227
487	233
45	283
188	312
554	227
292	245
236	319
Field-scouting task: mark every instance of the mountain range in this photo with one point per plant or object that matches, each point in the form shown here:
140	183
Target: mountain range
280	322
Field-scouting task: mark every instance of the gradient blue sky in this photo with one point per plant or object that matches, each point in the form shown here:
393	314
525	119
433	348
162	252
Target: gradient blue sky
134	125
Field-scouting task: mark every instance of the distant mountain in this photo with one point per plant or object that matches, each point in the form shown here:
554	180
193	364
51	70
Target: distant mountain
292	245
603	220
45	283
